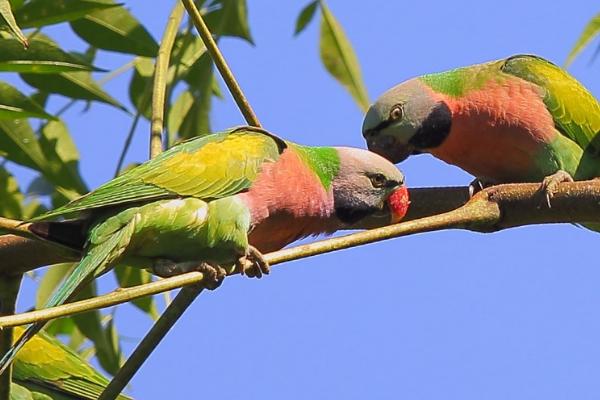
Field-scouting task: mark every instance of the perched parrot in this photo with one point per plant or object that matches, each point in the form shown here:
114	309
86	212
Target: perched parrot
199	205
47	369
520	119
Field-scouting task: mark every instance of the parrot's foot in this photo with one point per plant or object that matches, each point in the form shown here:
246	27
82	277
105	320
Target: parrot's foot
477	185
550	183
253	264
213	274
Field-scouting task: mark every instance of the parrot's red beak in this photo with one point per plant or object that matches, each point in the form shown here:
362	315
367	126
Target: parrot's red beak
398	204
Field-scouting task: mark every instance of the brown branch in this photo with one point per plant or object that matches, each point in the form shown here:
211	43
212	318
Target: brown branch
495	208
569	205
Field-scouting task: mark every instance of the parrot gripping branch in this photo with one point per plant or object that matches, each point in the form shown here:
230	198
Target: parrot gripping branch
493	209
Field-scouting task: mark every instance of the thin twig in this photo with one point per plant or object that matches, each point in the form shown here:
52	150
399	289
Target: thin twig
160	79
128	140
219	60
151	341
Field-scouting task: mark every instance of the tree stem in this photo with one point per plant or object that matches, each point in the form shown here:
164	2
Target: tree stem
161	72
152	339
219	60
9	289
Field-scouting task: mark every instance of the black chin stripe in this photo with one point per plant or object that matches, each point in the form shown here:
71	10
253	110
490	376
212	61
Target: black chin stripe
434	129
352	215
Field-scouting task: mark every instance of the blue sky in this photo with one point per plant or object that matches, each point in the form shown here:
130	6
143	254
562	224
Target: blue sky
452	315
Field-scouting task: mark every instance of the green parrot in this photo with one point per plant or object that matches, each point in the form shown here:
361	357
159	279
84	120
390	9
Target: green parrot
47	369
520	119
217	200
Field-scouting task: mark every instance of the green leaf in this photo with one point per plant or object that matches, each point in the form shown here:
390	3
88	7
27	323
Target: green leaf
339	58
8	17
18	143
76	85
306	15
37	13
42	57
11	196
53	154
590	31
15	105
52	278
62	158
117	30
130	276
229	19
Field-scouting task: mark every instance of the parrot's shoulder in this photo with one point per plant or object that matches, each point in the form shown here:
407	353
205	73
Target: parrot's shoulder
575	111
207	167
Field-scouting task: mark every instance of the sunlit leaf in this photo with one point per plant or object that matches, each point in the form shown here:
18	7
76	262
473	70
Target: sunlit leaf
62	158
339	58
8	18
117	30
76	85
18	143
11	196
50	281
130	276
229	19
306	15
43	56
589	32
15	105
36	13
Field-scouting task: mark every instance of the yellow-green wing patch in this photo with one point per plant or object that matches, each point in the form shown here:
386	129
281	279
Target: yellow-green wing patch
208	167
575	111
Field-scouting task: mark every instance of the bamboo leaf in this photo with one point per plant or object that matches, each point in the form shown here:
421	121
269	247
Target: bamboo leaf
306	15
589	33
115	29
76	85
339	58
11	196
37	13
42	57
15	105
8	17
229	19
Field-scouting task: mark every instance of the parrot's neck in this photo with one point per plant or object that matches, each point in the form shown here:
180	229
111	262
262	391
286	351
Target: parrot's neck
287	202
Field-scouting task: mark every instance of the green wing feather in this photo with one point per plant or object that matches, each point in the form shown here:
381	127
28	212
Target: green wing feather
48	366
575	111
208	167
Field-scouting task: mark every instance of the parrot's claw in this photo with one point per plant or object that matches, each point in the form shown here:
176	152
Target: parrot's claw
213	274
550	183
477	185
253	264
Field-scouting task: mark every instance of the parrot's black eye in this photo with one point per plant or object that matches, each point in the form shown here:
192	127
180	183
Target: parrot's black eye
378	180
396	112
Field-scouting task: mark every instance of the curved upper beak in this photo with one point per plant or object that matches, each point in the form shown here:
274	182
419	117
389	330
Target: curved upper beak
387	146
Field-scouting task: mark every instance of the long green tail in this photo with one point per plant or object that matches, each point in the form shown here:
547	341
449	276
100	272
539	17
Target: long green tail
93	264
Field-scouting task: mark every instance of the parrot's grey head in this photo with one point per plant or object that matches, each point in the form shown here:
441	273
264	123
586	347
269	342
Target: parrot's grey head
367	185
407	119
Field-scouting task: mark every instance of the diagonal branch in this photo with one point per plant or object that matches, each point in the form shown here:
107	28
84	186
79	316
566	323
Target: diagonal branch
496	208
219	60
